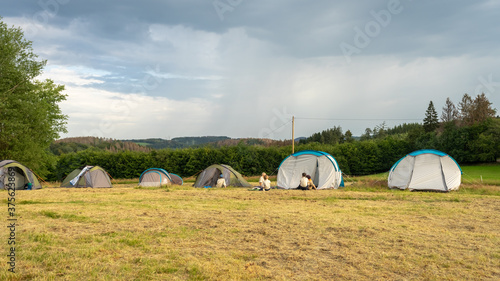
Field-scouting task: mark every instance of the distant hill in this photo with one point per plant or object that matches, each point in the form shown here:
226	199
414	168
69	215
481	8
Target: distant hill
214	141
251	141
68	145
182	142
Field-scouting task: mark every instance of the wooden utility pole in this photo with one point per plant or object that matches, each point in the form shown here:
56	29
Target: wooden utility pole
293	134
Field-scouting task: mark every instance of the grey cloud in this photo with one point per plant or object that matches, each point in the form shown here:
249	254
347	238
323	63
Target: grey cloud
265	55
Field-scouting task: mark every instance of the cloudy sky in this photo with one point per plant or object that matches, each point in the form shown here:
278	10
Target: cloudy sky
241	68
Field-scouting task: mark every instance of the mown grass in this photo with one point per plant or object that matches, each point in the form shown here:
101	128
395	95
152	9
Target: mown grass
362	232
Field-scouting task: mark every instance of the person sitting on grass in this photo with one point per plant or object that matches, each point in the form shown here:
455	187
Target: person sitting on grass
310	184
261	180
303	182
221	182
266	185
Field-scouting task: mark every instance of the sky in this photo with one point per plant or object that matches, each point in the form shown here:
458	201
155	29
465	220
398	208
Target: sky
240	68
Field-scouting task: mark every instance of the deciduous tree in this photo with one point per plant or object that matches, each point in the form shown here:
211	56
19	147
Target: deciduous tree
466	109
30	118
482	109
450	112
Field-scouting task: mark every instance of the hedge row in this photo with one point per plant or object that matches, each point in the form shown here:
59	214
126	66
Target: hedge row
478	143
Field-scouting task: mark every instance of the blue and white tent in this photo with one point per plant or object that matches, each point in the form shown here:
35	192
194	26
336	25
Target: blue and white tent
321	166
156	177
426	169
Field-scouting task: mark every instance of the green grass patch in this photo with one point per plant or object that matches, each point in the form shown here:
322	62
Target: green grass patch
68	217
483	174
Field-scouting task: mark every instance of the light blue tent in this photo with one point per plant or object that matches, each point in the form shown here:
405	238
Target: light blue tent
154	177
321	166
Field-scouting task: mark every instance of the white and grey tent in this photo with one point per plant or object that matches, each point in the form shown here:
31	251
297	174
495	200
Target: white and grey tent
426	170
88	176
321	166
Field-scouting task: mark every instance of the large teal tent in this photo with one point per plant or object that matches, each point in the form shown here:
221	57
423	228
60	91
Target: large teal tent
321	166
426	169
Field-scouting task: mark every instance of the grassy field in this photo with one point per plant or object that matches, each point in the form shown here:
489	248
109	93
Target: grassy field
362	232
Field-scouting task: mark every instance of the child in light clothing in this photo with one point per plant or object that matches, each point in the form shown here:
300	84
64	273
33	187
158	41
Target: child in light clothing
266	185
261	180
221	182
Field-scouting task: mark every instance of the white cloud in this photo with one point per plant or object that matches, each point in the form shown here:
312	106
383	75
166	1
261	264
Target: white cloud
178	76
73	75
109	114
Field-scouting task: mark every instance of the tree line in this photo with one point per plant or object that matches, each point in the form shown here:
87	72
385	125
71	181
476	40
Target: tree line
467	144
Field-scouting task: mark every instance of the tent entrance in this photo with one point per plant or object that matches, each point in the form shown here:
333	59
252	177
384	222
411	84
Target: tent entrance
315	174
210	177
14	178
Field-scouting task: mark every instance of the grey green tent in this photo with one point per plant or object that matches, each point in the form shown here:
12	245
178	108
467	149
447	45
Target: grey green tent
15	175
88	176
209	176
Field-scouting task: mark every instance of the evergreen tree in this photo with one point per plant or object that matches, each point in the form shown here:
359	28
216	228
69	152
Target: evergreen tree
431	121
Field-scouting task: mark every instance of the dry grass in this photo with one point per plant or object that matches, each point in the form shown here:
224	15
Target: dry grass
182	233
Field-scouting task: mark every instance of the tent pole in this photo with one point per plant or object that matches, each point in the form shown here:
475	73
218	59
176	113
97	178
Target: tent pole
293	134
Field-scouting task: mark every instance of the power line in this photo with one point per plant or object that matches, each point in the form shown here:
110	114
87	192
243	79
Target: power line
277	129
338	119
357	119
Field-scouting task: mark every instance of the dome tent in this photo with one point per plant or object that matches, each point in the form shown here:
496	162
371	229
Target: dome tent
425	170
211	174
176	179
321	166
158	177
154	177
15	175
88	176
